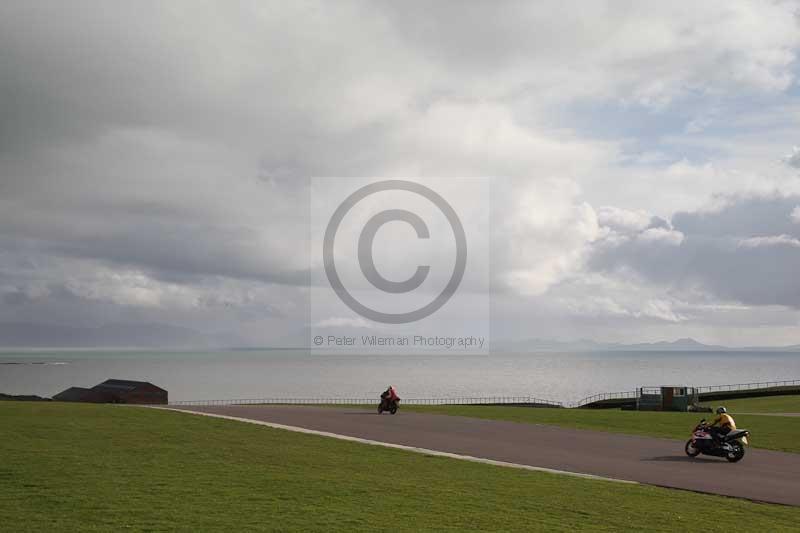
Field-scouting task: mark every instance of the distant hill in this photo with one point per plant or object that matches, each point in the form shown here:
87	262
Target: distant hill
29	335
157	335
686	344
585	345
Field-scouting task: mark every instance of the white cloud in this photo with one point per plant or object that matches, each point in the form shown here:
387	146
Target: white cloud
770	240
605	307
126	289
663	235
542	235
607	297
486	139
342	322
697	125
795	216
623	220
663	310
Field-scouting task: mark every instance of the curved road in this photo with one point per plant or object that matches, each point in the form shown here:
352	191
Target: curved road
762	475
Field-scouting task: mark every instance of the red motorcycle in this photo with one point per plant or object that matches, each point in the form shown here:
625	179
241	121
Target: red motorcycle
388	404
728	445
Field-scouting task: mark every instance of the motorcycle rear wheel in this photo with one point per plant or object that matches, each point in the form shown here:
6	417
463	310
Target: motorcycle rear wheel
736	455
690	449
393	410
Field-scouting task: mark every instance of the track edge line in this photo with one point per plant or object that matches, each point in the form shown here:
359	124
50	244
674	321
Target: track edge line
413	449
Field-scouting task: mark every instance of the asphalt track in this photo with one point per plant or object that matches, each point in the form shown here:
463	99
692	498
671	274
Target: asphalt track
762	475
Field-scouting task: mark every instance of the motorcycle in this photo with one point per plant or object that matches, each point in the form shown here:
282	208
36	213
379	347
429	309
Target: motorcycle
388	405
730	445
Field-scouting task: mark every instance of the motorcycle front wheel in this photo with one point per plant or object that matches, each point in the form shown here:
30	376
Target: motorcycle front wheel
735	455
691	451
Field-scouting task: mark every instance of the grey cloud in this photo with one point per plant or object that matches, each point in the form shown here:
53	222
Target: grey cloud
206	304
658	222
273	75
711	258
793	159
742	217
173	141
16	297
169	247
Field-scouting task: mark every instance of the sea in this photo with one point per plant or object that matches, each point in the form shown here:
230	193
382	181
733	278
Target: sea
252	374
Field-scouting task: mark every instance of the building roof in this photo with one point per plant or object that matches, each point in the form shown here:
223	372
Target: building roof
71	394
124	385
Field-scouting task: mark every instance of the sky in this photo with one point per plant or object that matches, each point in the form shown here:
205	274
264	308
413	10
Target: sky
156	159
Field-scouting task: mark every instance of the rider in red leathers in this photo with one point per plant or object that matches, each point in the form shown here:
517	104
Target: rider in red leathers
390	395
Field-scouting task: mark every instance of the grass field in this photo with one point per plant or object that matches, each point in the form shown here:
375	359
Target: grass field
765	404
770	432
73	467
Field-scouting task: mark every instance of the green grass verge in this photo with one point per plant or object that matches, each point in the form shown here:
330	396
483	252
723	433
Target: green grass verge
764	404
72	467
770	432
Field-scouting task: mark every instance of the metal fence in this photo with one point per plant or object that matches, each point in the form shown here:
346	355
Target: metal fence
623	395
734	387
749	386
483	400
